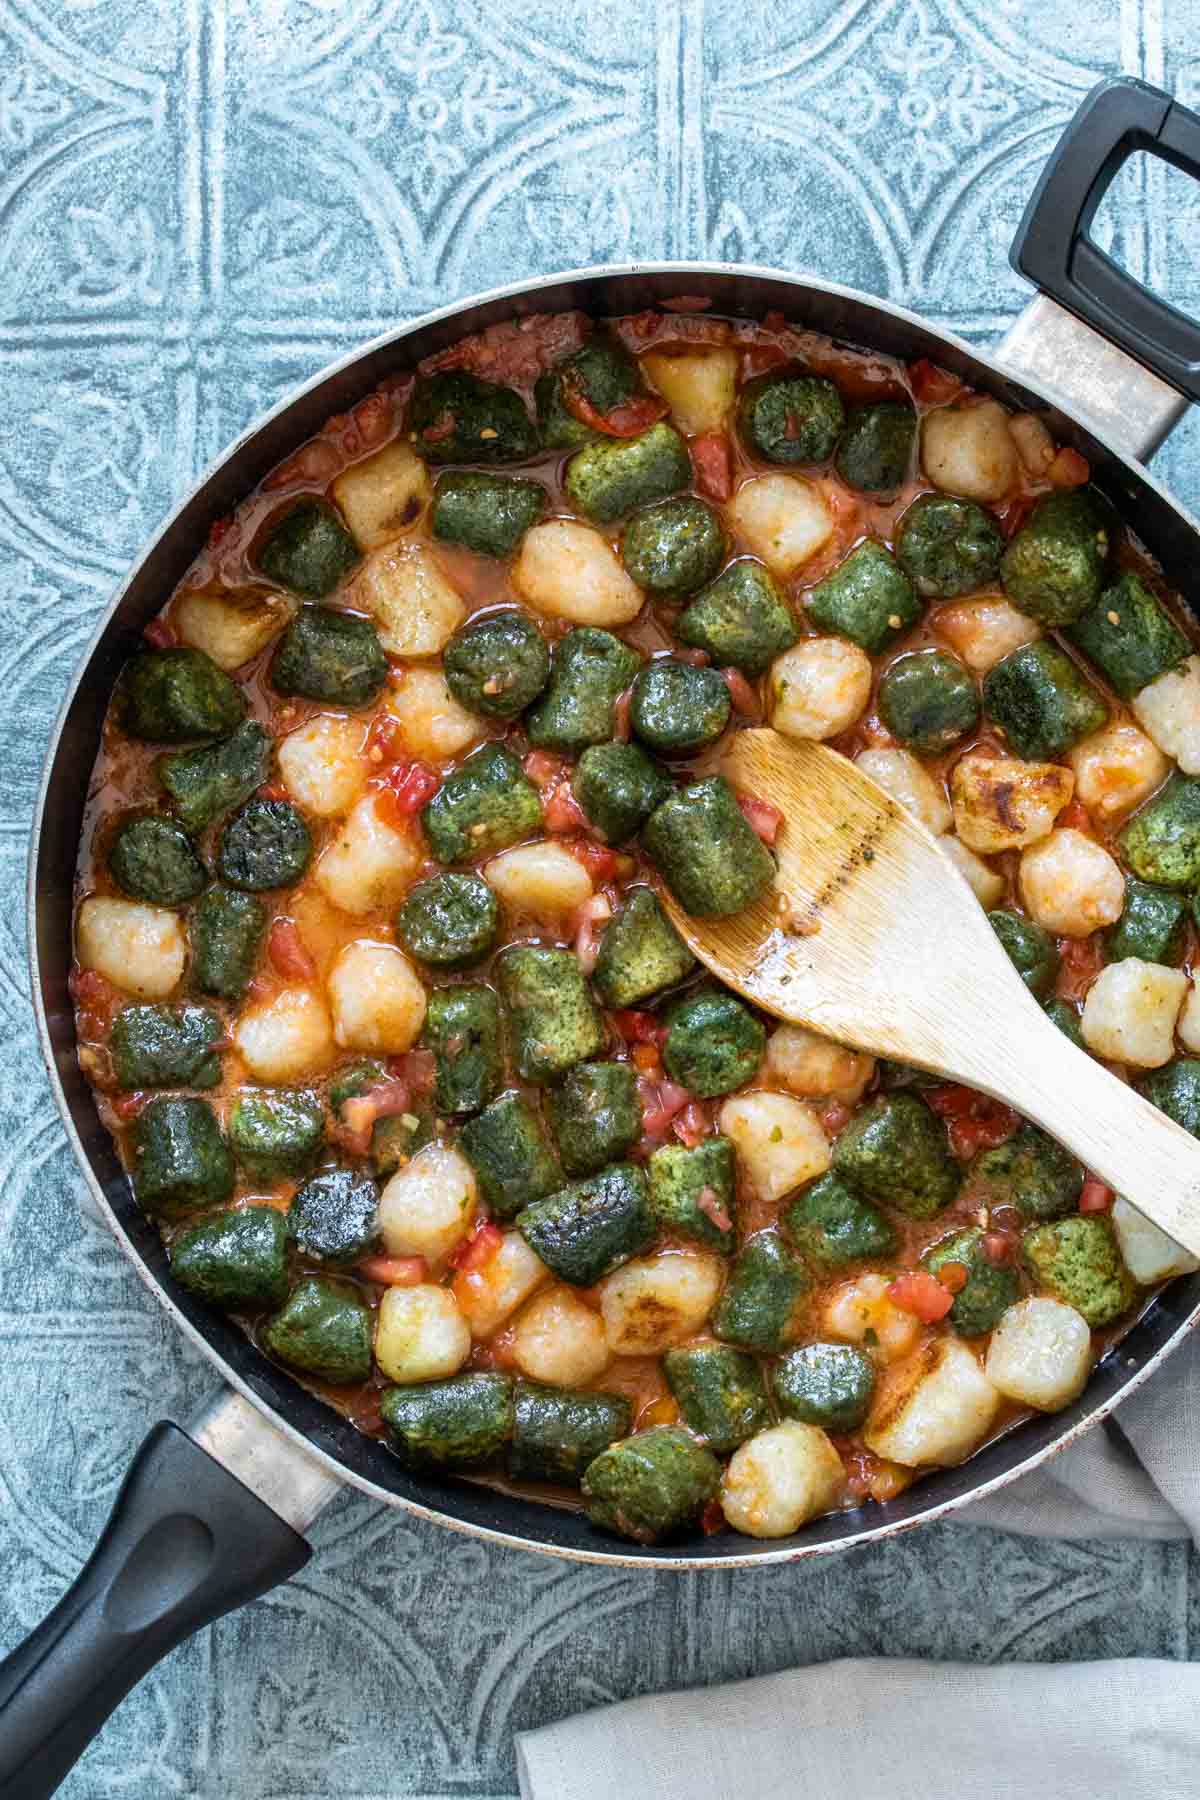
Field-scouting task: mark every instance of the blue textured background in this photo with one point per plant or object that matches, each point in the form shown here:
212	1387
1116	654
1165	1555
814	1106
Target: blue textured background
204	201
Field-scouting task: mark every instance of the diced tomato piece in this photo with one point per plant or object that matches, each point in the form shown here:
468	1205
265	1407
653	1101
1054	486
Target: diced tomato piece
1080	961
762	817
968	1136
712	1519
285	947
744	696
515	351
757	359
160	634
394	1271
271	790
384	741
416	1067
91	989
639	1027
921	1294
998	1248
646	1059
477	1250
709	1203
699	659
403	791
954	1275
601	863
561	812
628	419
1069	469
693	1124
128	1106
543	767
932	386
587	919
952	1100
1012	514
834	1117
1094	1196
712	462
1074	817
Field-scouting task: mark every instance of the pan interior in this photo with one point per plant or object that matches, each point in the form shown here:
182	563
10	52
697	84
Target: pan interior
840	313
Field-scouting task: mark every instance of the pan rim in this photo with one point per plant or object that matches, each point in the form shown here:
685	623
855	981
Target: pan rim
680	1559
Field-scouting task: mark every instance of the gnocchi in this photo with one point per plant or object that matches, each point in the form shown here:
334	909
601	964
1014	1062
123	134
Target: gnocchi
783	519
568	571
780	1478
428	1206
433	727
420	1334
819	687
985	630
415	605
698	385
1168	710
1002	803
539	881
377	999
370	864
779	1141
1070	884
383	495
657	1301
1148	1253
231	627
1040	1353
287	1038
968	450
1130	1011
560	1340
935	1407
323	764
1116	768
907	780
815	1067
140	949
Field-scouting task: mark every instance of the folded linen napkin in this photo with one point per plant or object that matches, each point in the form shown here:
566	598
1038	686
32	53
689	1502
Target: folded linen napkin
898	1728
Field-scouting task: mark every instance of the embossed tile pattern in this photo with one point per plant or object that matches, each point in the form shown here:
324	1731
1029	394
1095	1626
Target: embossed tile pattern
205	200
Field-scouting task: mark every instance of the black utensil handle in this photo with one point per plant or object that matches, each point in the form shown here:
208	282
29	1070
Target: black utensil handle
1054	250
185	1543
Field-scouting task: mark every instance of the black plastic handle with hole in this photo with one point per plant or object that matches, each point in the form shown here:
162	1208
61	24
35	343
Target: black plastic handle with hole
1054	250
185	1543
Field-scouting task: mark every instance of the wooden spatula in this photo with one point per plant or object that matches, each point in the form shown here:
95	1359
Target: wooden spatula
872	936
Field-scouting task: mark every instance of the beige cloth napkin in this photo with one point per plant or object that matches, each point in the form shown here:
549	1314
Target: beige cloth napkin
898	1730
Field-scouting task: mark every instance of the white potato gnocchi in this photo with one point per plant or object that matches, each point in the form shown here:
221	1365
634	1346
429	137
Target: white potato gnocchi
141	949
1070	884
986	883
654	1302
984	631
540	881
818	688
416	607
783	519
699	386
1130	1011
1116	768
377	997
1149	1254
779	1141
428	1207
559	1340
816	1067
383	495
1188	1023
489	1295
906	779
780	1478
1168	710
935	1407
370	864
1035	447
568	571
1003	803
322	764
433	727
863	1305
1040	1353
287	1038
420	1334
968	450
230	625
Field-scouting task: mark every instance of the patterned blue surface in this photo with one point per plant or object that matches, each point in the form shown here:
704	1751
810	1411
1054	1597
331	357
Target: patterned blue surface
203	202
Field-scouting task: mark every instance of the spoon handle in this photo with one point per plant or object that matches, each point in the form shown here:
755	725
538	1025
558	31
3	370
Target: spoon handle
1132	1146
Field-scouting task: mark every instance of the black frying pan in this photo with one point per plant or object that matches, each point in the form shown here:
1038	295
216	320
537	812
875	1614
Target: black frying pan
207	1521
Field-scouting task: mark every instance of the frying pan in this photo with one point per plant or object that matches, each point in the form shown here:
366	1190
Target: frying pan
212	1517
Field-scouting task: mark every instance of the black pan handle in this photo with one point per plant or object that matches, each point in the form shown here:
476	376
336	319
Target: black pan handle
1054	250
185	1543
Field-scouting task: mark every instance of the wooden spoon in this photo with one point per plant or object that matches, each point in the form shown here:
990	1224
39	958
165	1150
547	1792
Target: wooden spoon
872	936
